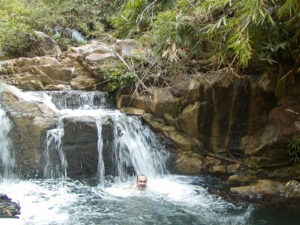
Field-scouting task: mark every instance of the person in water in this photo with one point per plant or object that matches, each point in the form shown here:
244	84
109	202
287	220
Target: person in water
141	182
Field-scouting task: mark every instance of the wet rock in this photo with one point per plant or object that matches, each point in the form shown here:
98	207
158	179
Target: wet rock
292	188
261	188
218	169
237	178
292	171
235	168
160	101
133	111
80	145
8	208
189	163
30	121
172	121
264	187
236	116
286	118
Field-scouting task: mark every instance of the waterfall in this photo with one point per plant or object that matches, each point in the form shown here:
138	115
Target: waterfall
79	100
125	146
55	167
135	146
7	158
101	168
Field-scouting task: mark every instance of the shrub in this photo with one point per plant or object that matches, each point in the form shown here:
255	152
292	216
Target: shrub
235	33
294	149
117	75
19	18
14	26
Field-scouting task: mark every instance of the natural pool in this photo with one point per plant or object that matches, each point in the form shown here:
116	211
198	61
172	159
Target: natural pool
169	199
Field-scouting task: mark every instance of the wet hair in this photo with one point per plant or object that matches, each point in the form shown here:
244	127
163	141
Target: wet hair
140	175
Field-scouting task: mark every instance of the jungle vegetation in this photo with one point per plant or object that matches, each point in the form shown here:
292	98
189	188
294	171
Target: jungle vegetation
253	36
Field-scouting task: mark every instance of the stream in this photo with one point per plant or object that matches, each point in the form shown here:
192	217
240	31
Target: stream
111	197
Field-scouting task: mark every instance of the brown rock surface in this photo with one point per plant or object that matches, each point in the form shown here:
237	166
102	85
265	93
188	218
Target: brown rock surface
30	122
43	45
264	187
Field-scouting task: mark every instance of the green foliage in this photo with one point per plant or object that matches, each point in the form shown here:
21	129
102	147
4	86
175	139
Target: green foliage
257	34
294	149
229	32
136	16
14	27
177	35
117	75
18	19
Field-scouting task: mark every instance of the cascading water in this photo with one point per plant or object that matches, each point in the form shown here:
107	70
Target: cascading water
7	158
125	147
55	168
134	147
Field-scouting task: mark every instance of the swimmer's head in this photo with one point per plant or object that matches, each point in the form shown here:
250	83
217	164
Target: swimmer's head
141	181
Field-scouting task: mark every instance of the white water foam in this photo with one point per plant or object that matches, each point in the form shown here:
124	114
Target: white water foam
179	191
61	202
7	158
39	203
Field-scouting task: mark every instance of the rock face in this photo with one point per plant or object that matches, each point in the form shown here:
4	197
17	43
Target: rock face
80	147
37	73
30	121
237	120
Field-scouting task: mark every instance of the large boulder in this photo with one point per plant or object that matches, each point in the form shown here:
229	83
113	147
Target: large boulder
158	101
8	208
80	146
37	73
31	120
43	45
92	55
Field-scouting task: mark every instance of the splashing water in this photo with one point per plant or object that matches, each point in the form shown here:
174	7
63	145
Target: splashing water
55	168
7	158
